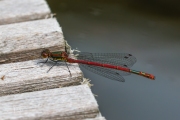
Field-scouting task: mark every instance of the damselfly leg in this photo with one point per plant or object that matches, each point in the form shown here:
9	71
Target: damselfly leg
44	61
68	69
52	66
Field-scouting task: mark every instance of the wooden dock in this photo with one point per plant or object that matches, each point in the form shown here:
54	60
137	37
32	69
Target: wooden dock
27	91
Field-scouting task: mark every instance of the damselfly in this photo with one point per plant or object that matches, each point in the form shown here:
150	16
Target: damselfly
109	65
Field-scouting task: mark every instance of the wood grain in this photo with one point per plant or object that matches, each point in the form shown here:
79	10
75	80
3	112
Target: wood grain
27	91
30	76
25	41
13	11
69	103
97	118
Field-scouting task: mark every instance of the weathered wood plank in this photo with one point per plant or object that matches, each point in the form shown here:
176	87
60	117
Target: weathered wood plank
97	118
69	103
29	76
24	41
13	11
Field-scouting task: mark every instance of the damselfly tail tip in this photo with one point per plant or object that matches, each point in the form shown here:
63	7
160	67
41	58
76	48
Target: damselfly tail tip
147	75
152	77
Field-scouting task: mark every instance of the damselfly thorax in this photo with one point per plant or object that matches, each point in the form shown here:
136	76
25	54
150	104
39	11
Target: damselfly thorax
55	56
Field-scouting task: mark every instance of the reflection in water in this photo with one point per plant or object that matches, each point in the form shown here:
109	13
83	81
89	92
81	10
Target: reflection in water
148	30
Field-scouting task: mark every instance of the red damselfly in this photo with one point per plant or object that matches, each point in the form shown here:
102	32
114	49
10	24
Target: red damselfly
109	65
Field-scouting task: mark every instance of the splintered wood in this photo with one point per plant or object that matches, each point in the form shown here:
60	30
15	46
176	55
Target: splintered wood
13	11
69	103
25	41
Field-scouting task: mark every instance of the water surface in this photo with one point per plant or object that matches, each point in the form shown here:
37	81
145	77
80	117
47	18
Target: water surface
149	31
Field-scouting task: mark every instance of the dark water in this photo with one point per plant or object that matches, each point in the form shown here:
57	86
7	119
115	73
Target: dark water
149	31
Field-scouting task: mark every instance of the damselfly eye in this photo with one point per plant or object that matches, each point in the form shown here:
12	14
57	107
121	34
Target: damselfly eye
45	53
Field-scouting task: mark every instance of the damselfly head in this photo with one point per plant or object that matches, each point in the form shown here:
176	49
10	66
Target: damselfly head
45	53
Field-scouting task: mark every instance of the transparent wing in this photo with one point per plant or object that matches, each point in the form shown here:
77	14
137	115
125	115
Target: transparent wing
106	72
118	59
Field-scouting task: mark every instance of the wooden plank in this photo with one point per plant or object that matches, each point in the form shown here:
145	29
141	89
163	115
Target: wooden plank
24	41
69	103
97	118
13	11
29	76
